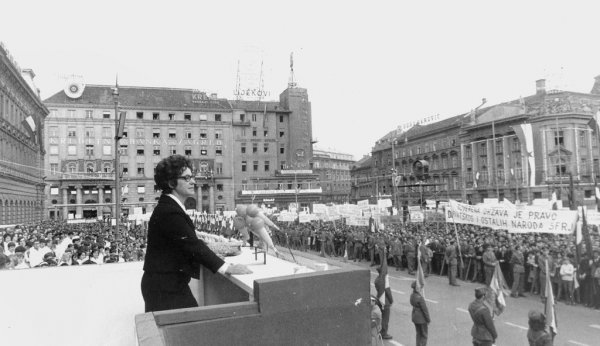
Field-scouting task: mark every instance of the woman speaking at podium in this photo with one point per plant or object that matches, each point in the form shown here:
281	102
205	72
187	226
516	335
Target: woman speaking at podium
174	253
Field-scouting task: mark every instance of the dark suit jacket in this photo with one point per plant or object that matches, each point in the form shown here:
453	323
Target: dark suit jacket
483	326
420	314
173	247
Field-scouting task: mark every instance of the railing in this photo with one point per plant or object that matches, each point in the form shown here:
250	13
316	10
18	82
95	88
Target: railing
87	175
241	123
281	192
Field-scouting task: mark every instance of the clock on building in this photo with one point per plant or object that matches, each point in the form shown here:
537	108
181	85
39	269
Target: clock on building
74	89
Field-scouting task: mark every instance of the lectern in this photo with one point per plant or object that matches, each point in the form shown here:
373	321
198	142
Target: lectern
314	301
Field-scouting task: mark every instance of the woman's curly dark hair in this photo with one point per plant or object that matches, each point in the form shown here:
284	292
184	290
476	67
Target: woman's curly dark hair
168	170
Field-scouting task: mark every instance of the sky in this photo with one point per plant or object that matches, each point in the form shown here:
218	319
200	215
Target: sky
369	67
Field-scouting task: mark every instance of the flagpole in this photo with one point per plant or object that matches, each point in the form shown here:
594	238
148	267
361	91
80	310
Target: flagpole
117	173
495	163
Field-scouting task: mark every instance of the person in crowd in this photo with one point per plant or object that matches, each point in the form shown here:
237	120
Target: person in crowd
567	277
452	262
483	330
533	276
411	253
537	335
489	263
542	260
396	250
174	253
518	264
36	254
584	276
420	314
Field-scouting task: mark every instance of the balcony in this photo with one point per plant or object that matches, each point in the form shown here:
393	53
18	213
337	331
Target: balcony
241	123
87	176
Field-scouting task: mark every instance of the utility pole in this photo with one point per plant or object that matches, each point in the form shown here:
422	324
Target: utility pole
117	168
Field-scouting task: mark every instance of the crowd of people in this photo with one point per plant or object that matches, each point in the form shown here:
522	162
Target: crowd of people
472	250
58	243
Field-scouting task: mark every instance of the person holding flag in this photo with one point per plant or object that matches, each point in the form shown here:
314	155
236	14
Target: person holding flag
483	330
384	294
420	313
537	335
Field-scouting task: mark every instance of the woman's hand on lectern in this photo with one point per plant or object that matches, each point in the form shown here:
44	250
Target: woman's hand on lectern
237	269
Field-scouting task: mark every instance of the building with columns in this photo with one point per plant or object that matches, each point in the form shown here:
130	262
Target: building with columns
522	150
239	149
22	116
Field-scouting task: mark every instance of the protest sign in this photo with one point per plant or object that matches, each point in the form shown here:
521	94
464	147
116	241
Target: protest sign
515	220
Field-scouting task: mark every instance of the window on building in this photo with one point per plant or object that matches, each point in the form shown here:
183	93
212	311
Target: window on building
217	117
516	144
107	168
243	166
218	150
139	115
499	146
483	149
172	133
139	132
106	132
267	166
254	117
89	114
218	134
203	150
468	152
219	187
265	133
54	150
124	169
141	189
254	132
71	113
203	117
187	116
172	150
243	148
123	149
560	167
255	166
282	150
171	116
72	150
255	147
156	150
188	134
282	165
140	171
203	133
71	132
89	132
242	117
52	130
582	139
559	138
218	168
281	133
140	150
281	118
125	133
187	150
106	115
106	150
155	116
266	148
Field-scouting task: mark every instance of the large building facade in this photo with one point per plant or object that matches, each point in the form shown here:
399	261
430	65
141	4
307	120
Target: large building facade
22	116
333	169
522	150
238	148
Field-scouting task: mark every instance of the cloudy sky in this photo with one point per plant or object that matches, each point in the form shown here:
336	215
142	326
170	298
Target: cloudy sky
369	67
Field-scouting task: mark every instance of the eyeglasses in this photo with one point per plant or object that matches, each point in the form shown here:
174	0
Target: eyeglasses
187	177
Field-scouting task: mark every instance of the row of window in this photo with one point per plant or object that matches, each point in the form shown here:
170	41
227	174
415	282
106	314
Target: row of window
140	150
265	148
139	115
89	190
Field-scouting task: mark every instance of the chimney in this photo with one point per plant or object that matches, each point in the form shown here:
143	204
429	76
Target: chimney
540	86
596	87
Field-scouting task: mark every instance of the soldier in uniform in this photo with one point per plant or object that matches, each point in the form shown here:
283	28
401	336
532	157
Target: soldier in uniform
409	250
359	239
397	253
452	261
489	263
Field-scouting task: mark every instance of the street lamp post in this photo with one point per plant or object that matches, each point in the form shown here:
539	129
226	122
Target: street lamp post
117	173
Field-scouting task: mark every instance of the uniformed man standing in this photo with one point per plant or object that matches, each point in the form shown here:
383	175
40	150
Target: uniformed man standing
452	262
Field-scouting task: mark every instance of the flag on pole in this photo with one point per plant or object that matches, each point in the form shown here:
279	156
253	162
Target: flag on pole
499	289
585	232
420	275
346	252
549	305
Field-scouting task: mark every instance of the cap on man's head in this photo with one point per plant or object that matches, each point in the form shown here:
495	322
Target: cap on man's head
413	285
480	292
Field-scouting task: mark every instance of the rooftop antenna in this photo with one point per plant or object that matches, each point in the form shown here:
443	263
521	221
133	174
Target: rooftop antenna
291	83
261	83
237	83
